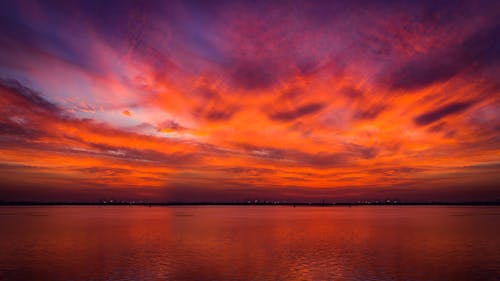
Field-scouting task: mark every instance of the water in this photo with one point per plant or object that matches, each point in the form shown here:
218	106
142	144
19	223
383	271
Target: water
249	243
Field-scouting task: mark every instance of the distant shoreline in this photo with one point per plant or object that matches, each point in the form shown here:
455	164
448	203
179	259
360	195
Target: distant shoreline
297	204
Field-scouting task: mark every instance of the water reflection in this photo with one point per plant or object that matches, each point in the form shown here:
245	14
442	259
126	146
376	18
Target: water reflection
249	243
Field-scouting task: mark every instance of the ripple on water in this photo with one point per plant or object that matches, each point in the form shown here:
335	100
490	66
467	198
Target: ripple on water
261	243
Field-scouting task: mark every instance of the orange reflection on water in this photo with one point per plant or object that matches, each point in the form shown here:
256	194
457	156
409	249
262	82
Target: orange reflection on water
249	243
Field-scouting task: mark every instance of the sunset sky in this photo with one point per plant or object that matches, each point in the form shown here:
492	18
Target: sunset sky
243	100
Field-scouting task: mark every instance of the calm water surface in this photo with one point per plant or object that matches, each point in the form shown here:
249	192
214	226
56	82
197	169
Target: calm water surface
249	243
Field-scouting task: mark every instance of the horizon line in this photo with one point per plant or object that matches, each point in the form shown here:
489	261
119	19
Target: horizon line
269	203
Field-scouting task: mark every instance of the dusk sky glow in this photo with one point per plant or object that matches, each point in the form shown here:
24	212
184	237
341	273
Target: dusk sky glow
239	100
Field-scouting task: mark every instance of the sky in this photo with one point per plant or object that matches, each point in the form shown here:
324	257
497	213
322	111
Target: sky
222	101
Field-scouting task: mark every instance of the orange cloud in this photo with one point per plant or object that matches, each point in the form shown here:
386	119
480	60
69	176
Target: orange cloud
278	103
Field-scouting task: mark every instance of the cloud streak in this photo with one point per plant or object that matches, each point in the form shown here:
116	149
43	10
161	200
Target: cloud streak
437	114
